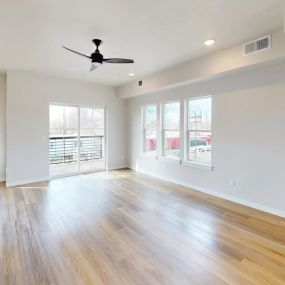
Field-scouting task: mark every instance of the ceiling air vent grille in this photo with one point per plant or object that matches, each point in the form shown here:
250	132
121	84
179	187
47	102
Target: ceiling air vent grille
261	44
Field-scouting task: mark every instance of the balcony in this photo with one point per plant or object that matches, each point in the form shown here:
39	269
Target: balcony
63	154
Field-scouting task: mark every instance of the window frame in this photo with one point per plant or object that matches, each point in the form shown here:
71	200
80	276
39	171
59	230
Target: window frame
188	131
163	130
144	151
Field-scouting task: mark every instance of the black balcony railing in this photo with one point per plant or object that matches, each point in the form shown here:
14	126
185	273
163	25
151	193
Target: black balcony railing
65	149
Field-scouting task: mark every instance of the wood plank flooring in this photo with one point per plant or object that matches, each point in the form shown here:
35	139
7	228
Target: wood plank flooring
128	228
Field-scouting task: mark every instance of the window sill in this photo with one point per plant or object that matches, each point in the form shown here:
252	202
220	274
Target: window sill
203	166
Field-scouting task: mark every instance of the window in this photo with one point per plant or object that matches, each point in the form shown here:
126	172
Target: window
149	128
199	130
171	129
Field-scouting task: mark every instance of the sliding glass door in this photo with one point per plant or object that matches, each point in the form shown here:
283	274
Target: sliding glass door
92	139
76	140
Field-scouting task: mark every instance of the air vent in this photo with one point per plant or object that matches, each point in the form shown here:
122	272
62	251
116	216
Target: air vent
259	45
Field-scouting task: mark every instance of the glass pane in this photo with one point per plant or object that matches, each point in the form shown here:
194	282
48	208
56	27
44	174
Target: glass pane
150	140
70	121
200	147
199	114
63	148
98	121
171	116
86	122
172	143
92	139
150	117
55	120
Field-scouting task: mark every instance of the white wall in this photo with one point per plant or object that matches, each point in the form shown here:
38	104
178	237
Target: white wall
248	131
28	99
2	127
214	64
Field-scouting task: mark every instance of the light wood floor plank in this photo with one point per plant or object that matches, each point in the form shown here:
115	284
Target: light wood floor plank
127	228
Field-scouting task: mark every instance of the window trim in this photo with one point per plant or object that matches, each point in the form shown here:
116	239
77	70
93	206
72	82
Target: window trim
143	149
187	161
162	131
204	166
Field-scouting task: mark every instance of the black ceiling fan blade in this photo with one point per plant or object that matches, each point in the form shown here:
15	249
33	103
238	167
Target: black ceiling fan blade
118	60
76	52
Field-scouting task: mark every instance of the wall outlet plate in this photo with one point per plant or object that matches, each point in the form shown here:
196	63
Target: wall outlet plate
232	182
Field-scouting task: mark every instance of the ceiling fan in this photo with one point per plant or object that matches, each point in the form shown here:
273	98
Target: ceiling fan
97	58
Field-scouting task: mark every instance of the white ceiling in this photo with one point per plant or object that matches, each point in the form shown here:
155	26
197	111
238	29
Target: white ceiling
155	33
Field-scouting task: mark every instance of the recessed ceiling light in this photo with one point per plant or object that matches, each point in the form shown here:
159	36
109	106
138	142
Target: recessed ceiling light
209	43
131	74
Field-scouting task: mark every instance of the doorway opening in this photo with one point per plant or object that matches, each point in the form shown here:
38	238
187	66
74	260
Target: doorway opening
76	139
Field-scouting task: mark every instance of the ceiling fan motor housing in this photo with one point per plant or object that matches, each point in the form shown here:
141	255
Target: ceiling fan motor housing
97	57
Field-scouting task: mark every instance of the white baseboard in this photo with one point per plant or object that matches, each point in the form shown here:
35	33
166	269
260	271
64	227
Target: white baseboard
231	198
25	181
115	167
28	181
2	179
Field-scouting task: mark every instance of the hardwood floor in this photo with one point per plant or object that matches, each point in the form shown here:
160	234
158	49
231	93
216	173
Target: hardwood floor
124	227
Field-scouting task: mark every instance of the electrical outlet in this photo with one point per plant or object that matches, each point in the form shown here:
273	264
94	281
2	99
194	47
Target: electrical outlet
232	183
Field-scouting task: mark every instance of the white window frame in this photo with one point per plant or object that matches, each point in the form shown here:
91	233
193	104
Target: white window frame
188	130
163	130
144	151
